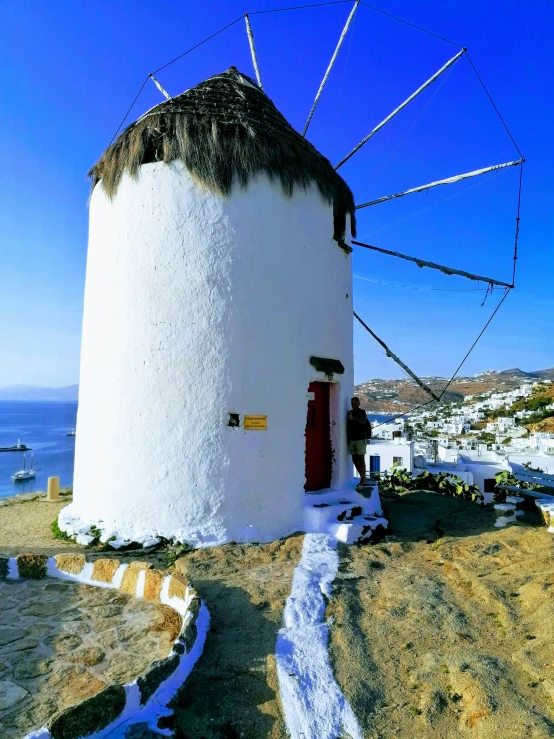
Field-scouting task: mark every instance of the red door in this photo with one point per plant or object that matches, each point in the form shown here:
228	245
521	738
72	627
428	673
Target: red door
318	440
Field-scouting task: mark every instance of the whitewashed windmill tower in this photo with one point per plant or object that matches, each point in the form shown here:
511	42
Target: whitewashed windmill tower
218	288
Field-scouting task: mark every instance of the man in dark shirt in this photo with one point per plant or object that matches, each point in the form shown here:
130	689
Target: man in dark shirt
358	433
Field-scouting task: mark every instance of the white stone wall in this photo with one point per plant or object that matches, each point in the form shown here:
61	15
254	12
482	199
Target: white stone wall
198	305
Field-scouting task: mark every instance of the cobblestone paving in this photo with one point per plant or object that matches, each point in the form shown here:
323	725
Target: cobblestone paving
61	643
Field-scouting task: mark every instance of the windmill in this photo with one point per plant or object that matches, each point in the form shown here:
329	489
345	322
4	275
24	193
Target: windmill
218	294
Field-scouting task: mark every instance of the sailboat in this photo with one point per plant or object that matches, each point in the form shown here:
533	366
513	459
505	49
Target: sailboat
25	474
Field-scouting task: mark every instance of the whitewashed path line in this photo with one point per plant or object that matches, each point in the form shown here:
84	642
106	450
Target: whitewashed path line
313	703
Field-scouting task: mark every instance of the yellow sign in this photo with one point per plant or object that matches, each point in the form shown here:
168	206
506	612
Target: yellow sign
255	423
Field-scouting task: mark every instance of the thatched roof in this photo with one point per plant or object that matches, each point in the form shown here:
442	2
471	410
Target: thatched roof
225	131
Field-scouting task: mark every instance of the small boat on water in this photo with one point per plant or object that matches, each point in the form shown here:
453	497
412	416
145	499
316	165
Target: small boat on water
71	433
19	447
25	474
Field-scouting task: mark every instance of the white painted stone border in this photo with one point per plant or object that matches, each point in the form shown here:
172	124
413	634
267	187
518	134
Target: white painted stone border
156	705
313	703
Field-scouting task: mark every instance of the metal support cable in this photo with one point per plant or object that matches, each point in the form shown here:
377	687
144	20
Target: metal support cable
198	45
472	347
494	106
298	7
331	64
129	110
398	361
407	23
516	239
413	410
403	415
433	265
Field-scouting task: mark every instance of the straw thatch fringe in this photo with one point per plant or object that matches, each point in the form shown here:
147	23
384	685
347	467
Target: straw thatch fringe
225	131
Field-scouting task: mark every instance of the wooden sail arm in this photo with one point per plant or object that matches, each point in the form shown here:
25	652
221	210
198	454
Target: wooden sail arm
253	51
160	88
406	102
433	265
331	64
446	181
398	361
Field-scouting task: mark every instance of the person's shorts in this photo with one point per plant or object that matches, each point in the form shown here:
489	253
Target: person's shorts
357	447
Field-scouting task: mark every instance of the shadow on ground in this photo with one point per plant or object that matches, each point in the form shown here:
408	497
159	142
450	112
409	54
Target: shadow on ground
233	691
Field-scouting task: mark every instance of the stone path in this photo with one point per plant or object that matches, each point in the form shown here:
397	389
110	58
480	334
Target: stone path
61	642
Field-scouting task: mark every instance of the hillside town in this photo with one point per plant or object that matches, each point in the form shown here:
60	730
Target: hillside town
474	438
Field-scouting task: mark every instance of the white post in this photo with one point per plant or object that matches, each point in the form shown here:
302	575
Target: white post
331	64
253	51
447	181
400	107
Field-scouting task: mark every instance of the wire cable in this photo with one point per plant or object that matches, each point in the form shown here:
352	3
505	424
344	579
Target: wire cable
130	109
475	342
517	224
299	7
410	412
407	23
493	105
200	44
403	415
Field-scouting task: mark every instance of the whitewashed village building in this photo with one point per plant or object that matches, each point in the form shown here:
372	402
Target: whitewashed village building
216	364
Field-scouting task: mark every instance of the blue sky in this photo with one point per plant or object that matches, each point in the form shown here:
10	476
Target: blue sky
70	71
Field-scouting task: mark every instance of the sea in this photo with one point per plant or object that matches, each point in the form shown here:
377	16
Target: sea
42	426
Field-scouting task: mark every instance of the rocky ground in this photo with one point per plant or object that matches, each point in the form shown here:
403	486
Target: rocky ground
444	629
61	643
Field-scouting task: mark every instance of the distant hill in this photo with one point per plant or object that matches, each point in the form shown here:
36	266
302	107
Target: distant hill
398	396
32	392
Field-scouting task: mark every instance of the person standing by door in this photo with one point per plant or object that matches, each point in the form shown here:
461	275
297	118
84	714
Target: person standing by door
358	434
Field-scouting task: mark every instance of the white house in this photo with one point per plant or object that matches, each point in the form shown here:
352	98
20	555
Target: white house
216	361
383	455
505	423
387	430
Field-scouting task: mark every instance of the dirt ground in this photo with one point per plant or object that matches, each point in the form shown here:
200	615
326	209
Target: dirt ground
445	630
442	630
25	528
233	691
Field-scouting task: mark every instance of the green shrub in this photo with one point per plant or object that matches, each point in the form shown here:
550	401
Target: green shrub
399	481
506	478
58	533
32	565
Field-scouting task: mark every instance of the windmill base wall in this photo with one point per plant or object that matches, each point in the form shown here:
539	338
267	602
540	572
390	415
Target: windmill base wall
197	306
